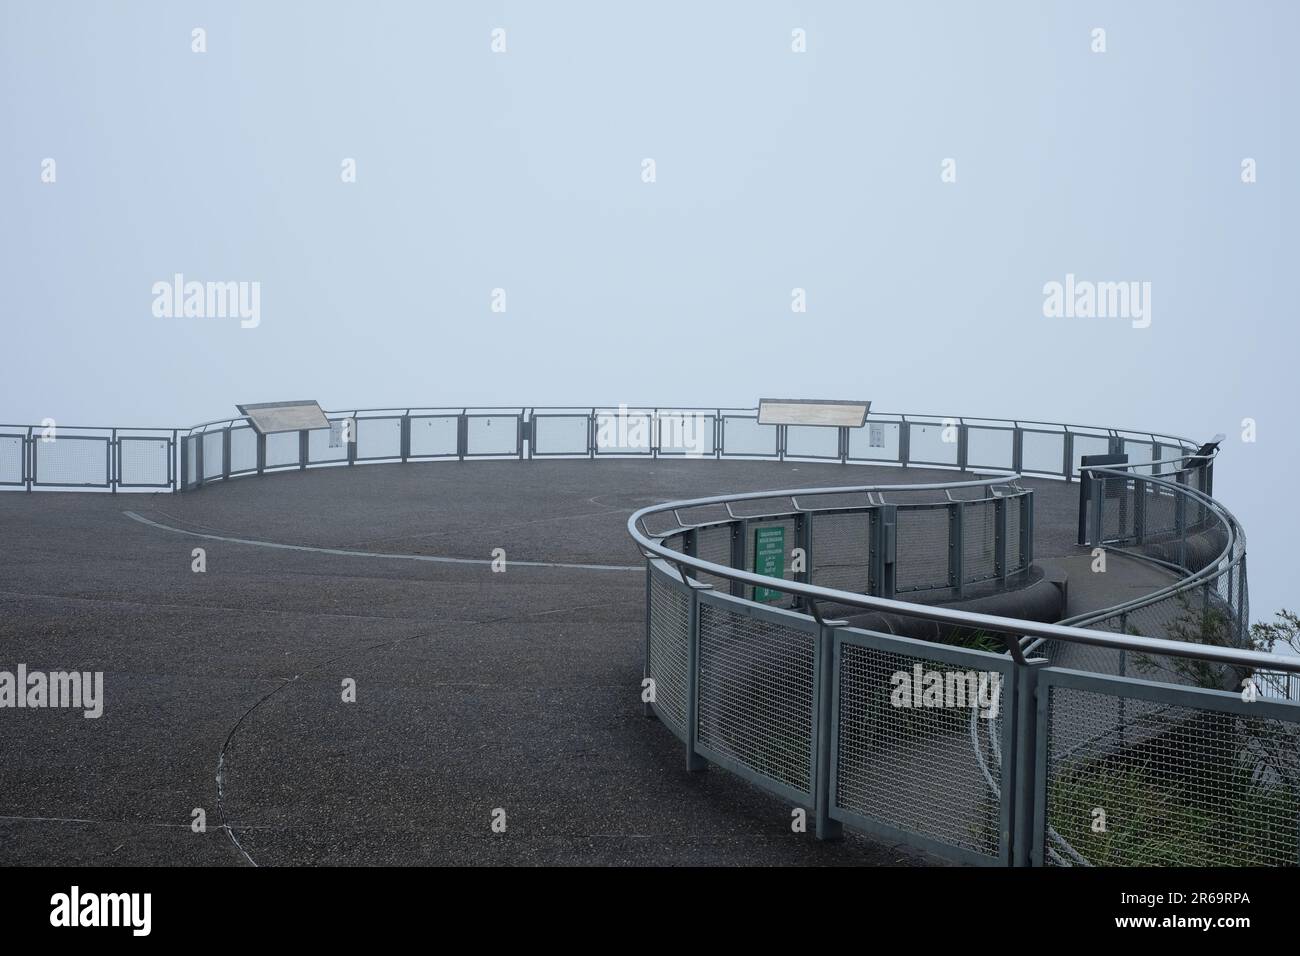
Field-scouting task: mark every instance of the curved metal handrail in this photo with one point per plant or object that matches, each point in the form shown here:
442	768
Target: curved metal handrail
1012	630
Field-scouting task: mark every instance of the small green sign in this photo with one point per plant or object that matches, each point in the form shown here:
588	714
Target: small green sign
769	559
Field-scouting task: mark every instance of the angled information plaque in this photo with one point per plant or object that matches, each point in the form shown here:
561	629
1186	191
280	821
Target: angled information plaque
803	411
269	417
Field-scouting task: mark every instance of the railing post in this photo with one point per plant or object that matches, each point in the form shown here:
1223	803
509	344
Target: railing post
172	471
405	439
888	549
225	453
1180	518
647	708
1000	539
351	433
1017	449
1026	774
1067	457
261	453
114	461
304	451
694	762
198	460
826	722
904	442
1095	519
1140	486
803	535
956	574
29	460
739	529
1027	528
963	446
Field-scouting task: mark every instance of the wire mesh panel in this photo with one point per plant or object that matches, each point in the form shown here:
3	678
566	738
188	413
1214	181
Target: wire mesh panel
989	447
669	625
1181	776
979	541
755	710
379	438
433	436
79	460
1014	556
875	441
745	436
1043	452
812	441
560	434
281	449
12	469
841	550
921	559
144	462
492	435
905	716
932	443
243	450
214	455
713	544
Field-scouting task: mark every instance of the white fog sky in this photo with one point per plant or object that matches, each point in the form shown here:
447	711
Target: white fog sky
775	170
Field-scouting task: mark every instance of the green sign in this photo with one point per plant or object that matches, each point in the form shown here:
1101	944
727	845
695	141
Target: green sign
769	559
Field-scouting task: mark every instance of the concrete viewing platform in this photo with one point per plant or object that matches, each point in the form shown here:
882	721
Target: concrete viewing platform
476	691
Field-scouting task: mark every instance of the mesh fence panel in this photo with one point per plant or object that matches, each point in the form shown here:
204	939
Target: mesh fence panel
714	545
978	541
914	767
1014	556
756	693
72	460
921	559
669	624
1179	785
11	459
841	551
144	462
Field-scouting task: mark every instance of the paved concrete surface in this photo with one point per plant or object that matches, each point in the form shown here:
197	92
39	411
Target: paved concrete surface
475	690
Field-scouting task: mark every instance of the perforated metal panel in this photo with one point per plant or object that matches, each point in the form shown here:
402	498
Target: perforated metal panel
11	459
70	460
144	462
922	559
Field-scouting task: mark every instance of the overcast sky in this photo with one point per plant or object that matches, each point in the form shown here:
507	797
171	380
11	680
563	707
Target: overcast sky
774	170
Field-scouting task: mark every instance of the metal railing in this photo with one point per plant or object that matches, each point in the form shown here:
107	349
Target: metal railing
1137	752
35	457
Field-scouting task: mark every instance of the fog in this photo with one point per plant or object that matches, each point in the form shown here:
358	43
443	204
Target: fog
518	178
